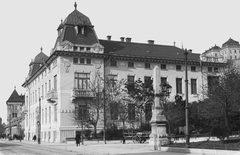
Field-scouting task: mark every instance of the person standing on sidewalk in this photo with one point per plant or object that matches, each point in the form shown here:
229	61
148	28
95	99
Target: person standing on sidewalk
77	138
20	137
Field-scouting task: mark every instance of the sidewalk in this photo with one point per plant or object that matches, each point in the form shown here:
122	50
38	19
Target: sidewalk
116	147
99	148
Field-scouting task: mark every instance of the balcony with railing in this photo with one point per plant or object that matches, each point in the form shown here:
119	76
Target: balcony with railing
24	109
82	93
52	95
205	58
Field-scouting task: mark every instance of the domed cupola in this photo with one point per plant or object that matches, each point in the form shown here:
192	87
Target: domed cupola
36	63
76	33
40	58
76	18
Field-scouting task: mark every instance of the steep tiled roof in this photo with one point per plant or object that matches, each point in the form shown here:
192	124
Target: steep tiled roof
230	42
88	38
14	97
36	63
146	50
77	18
40	58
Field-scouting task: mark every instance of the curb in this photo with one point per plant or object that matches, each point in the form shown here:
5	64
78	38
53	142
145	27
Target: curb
199	151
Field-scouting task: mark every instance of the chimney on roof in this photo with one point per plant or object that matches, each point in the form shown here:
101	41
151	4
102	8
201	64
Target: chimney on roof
109	38
150	41
122	39
128	40
174	43
190	50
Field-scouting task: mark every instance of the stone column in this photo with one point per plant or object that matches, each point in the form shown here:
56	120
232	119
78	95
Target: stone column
158	120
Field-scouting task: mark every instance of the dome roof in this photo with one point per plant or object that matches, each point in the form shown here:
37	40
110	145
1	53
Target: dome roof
77	18
40	58
230	42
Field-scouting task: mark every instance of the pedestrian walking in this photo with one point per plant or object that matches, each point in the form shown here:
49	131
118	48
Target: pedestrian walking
123	139
77	138
34	138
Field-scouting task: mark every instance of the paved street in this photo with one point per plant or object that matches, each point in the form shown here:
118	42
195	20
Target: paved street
96	148
89	148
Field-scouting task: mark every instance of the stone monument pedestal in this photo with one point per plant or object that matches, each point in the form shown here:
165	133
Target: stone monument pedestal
158	128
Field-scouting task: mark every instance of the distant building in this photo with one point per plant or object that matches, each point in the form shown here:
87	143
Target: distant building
59	82
15	113
230	51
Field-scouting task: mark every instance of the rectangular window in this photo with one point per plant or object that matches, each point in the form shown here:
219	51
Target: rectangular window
89	61
193	68
55	112
88	48
38	93
147	79
131	112
113	63
178	67
209	69
163	80
49	114
35	96
46	89
26	120
82	61
148	112
75	60
49	86
81	48
42	116
42	91
147	65
112	80
82	81
193	86
163	66
215	69
212	81
80	112
75	48
179	85
55	82
114	112
45	115
130	64
130	79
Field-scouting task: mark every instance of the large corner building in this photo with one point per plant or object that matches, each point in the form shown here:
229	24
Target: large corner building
56	82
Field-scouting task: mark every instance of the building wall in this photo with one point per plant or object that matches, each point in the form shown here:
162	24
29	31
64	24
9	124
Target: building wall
170	73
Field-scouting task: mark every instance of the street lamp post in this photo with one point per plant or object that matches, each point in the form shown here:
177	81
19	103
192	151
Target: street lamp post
39	122
186	92
104	115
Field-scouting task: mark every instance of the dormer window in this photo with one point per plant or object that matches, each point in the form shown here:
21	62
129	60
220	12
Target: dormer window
79	29
81	48
82	30
88	48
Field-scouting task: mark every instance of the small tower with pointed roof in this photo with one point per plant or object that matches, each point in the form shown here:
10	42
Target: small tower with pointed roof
13	103
14	107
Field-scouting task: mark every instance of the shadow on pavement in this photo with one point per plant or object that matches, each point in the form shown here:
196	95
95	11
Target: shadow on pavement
9	144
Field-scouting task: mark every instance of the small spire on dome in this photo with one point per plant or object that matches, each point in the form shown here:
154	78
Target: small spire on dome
75	5
14	87
41	49
61	21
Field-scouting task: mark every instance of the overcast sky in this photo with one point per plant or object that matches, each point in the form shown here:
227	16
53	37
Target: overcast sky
28	25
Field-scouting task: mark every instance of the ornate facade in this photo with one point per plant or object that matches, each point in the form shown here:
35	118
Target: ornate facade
56	82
